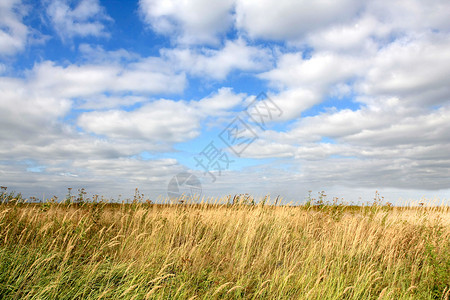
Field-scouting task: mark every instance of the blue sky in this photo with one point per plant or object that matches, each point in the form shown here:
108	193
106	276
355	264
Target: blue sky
117	95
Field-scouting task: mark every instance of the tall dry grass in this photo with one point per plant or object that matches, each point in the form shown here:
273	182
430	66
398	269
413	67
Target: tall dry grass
207	251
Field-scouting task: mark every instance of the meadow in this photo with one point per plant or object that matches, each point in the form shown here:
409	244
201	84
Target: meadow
234	248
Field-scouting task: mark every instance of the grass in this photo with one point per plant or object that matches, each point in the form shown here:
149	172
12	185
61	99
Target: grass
223	251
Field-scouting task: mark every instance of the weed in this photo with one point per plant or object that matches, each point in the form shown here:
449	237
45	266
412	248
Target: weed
92	249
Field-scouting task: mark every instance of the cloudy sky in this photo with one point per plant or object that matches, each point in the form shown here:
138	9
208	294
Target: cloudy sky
251	96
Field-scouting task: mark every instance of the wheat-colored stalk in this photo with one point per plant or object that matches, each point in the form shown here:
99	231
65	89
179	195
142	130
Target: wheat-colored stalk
212	250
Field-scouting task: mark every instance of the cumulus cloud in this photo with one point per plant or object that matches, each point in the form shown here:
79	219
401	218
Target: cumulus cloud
388	146
304	82
218	103
48	154
397	173
433	128
217	64
408	16
287	19
134	172
415	69
13	33
398	135
188	22
161	121
158	121
363	87
33	127
41	152
98	55
395	71
292	102
339	25
105	177
86	18
337	124
269	149
29	112
317	72
146	76
357	36
102	101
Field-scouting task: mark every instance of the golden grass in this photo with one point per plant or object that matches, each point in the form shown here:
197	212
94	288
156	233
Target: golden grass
213	251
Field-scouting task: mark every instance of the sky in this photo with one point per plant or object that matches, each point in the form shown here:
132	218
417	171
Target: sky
226	96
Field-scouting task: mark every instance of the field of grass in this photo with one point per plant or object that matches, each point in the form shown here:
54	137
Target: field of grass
223	251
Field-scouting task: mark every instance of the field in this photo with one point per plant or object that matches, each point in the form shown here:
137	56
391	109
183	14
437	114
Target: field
239	250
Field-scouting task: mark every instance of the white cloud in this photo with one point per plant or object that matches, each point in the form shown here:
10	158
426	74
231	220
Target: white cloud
318	72
433	128
386	62
13	33
131	171
384	145
189	22
147	76
33	136
98	55
292	102
287	19
23	114
337	124
41	153
218	103
268	149
104	177
356	36
87	18
217	64
32	127
395	172
406	16
33	109
377	24
109	101
339	25
161	121
305	82
417	70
